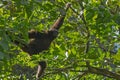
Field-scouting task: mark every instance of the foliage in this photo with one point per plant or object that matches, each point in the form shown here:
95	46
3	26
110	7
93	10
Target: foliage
88	39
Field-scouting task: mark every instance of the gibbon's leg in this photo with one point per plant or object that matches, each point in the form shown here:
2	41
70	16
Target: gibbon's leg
41	68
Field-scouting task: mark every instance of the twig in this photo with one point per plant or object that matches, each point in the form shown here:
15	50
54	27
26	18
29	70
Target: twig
87	28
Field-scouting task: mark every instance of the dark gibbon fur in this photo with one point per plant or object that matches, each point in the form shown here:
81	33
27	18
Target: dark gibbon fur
40	41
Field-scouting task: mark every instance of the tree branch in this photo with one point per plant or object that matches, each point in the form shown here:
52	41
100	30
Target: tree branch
104	72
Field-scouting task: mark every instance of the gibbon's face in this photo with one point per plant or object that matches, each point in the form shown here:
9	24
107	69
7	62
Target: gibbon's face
53	33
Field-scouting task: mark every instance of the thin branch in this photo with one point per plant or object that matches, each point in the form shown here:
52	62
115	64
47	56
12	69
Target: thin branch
58	70
78	71
74	11
80	76
87	28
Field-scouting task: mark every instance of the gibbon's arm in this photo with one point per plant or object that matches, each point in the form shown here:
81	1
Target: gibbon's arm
60	20
55	27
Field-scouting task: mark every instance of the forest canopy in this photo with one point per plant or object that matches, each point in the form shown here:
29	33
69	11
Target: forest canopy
87	46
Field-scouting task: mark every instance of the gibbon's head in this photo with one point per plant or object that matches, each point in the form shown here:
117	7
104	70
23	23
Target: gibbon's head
53	33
